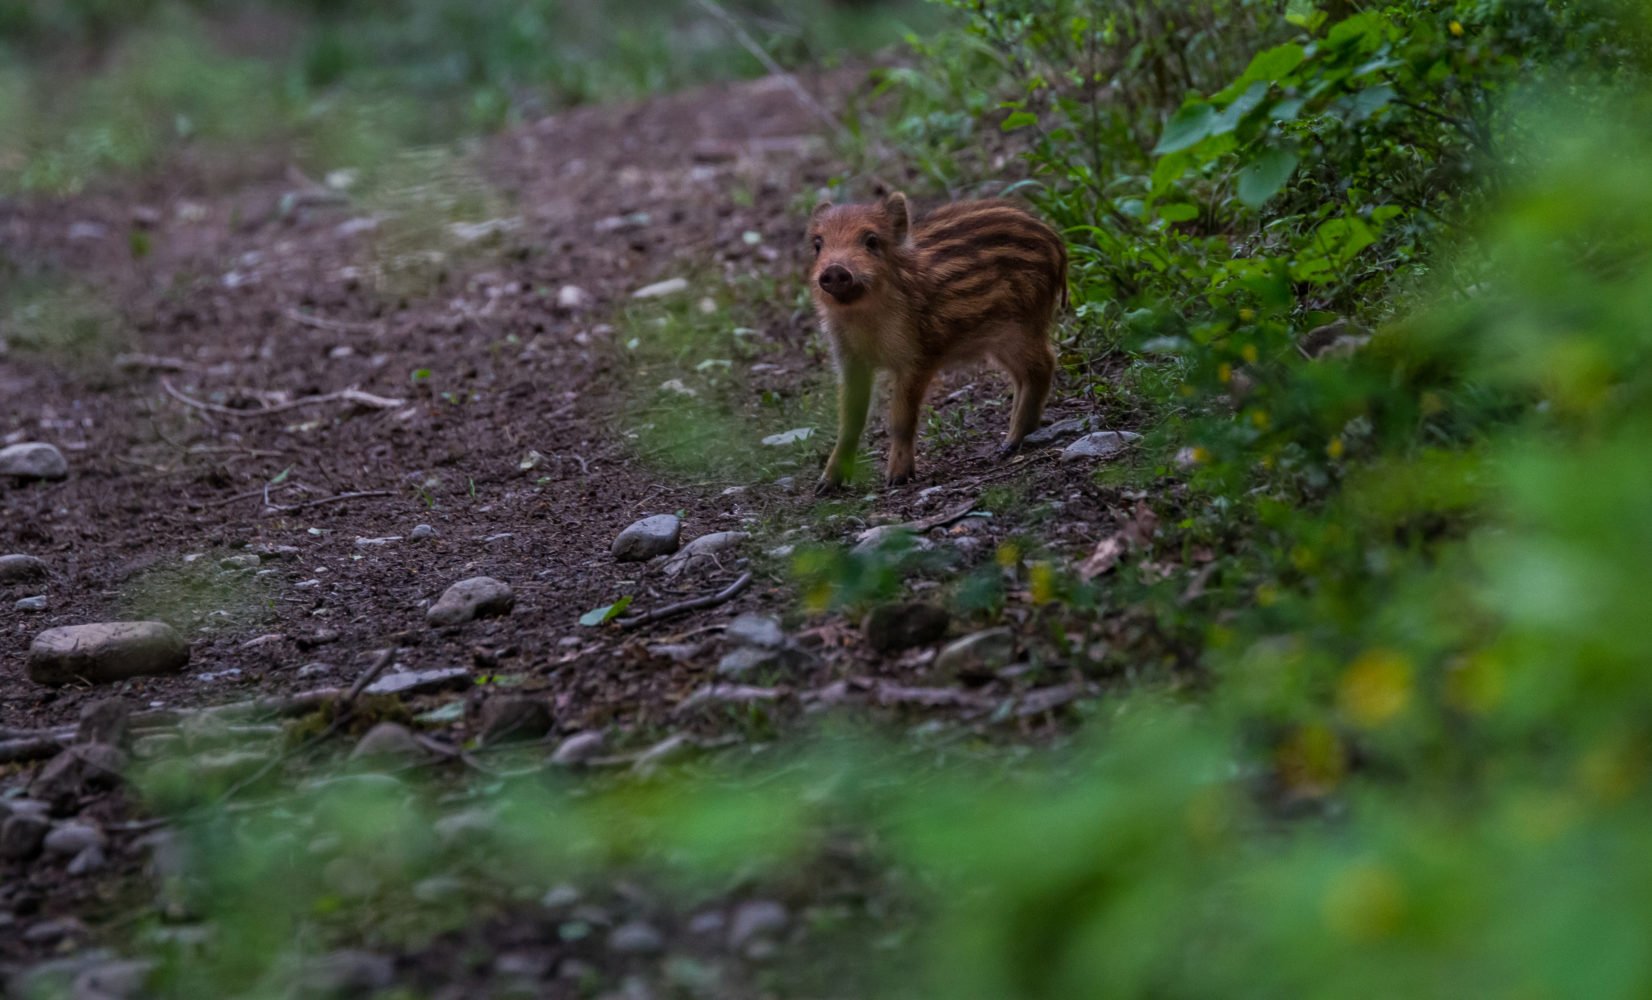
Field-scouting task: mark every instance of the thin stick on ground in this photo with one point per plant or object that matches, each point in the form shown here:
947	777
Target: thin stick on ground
343	395
694	604
286	508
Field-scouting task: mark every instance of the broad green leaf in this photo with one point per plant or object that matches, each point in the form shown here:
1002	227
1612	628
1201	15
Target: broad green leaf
1265	175
1020	119
1186	129
597	616
1242	105
1369	101
1180	212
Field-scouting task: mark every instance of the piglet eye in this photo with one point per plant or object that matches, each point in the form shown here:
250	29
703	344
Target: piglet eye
817	243
871	241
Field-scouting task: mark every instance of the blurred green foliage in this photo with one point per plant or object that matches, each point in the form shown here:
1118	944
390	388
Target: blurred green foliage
94	87
1414	757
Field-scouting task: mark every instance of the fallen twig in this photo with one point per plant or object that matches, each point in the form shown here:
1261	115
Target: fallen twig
684	607
332	325
285	508
343	395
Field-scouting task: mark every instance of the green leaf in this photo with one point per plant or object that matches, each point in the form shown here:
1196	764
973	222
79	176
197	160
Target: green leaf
1265	175
281	476
1242	105
1186	128
1269	66
1181	212
598	616
1020	119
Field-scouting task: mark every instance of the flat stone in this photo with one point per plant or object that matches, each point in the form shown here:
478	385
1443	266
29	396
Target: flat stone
705	551
1098	444
891	536
647	538
21	836
420	681
421	532
33	460
635	937
1057	431
348	972
748	659
578	748
755	919
68	839
515	720
659	289
106	652
467	600
977	655
756	630
19	568
388	741
35	603
892	627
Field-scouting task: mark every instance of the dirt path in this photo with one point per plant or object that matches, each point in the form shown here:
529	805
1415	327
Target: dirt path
510	442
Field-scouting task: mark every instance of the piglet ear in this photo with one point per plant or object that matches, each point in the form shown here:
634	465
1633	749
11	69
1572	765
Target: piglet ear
899	217
820	209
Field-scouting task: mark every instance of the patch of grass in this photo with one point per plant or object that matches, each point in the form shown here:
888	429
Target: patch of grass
62	321
690	410
198	596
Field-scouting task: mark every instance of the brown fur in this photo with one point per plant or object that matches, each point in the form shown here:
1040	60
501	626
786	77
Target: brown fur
969	281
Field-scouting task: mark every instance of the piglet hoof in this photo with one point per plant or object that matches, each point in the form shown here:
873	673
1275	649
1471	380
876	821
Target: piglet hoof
826	487
1009	449
897	479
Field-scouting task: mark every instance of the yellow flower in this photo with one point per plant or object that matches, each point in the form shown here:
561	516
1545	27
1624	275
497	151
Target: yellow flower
1457	29
1248	352
1041	578
1224	373
1376	688
1267	595
1008	555
1260	419
1334	449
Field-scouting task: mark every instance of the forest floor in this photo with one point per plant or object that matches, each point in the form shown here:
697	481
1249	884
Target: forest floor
520	410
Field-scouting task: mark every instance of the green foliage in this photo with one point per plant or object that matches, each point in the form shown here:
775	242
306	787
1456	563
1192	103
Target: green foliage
351	83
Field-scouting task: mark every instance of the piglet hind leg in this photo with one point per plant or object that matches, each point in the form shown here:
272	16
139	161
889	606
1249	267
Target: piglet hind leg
1031	369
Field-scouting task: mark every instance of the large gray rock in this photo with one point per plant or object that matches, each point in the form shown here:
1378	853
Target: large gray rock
18	568
106	652
467	600
647	538
33	460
